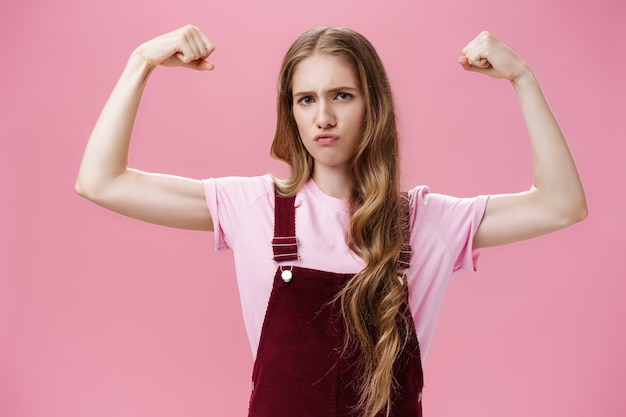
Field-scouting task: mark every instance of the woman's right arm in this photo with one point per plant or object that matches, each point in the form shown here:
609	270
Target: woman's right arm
104	176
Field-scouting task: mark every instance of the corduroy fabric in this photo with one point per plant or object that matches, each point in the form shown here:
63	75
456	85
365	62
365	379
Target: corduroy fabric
300	368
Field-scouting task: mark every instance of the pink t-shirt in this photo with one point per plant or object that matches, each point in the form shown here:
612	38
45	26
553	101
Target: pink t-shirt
242	208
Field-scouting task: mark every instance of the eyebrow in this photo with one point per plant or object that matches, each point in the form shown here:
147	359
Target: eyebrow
331	91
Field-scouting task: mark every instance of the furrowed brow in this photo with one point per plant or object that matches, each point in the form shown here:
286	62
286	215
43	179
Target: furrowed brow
331	91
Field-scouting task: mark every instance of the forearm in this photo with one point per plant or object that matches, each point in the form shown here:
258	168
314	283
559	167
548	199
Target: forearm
106	154
556	182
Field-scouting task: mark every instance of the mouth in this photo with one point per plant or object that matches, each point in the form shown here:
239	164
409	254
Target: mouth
326	138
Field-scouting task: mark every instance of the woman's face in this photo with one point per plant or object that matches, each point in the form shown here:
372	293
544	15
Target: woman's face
329	109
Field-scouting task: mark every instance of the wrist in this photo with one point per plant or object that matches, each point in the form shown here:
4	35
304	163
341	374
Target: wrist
138	61
523	78
138	66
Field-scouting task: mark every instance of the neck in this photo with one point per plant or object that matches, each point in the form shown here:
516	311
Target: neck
335	182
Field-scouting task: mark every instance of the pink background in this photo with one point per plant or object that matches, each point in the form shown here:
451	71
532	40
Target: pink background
105	316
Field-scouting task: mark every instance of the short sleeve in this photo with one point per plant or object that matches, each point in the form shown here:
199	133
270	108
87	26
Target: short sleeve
455	221
228	199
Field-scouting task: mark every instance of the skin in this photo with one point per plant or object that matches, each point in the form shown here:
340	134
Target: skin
555	200
327	100
104	176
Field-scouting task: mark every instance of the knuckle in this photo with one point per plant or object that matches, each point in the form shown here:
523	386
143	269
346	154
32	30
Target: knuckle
187	32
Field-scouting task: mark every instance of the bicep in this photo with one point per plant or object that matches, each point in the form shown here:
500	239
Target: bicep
166	200
511	218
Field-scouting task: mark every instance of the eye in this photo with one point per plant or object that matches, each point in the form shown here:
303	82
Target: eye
344	96
306	100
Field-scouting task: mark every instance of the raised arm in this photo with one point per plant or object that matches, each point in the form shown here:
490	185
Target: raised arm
104	176
556	199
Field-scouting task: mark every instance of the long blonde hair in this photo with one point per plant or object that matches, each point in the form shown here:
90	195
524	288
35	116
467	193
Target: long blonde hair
373	302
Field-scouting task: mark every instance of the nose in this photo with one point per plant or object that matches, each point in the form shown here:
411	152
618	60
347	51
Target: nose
325	115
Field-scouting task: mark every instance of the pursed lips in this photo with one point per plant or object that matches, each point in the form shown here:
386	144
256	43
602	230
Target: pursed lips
326	138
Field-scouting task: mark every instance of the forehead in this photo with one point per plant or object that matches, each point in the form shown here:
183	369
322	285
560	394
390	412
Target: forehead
323	72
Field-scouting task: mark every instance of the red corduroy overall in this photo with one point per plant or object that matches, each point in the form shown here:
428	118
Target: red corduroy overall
300	368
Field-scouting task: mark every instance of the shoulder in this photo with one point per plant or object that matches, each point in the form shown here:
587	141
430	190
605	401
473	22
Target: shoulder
232	196
423	201
418	194
421	197
260	183
443	227
450	216
239	188
237	202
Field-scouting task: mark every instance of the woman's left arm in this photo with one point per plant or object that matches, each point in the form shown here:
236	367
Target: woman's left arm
556	199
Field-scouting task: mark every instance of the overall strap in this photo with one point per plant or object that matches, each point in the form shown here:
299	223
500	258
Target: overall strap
405	253
285	242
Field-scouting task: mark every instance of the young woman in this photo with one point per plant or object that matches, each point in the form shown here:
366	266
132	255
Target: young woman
359	269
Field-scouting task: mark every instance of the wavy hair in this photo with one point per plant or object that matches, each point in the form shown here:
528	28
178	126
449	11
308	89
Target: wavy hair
373	302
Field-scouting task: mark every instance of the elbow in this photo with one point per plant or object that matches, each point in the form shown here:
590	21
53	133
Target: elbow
581	212
562	209
79	188
99	189
83	188
575	212
87	189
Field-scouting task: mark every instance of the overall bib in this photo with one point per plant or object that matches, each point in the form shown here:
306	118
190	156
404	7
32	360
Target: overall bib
301	369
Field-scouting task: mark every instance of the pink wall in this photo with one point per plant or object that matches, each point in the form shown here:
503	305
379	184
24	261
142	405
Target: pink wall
105	316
